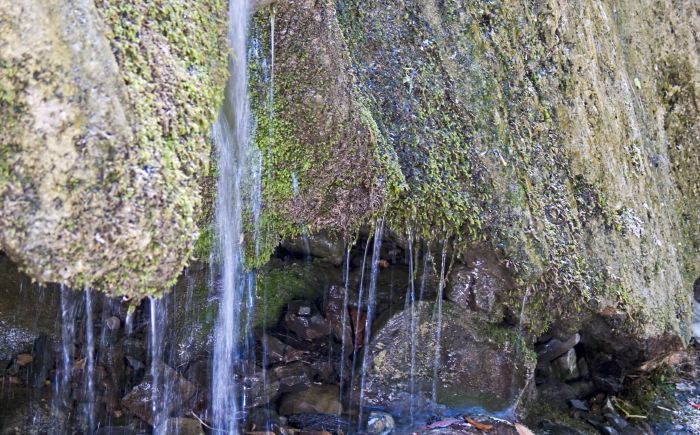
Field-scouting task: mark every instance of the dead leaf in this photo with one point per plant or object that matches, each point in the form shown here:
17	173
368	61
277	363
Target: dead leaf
383	263
23	359
522	430
480	426
443	423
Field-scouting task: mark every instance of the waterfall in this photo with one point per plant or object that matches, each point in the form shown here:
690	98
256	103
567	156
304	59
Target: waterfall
89	361
232	138
70	306
438	329
371	306
412	299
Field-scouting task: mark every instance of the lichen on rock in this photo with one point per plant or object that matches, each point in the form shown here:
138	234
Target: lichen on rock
108	108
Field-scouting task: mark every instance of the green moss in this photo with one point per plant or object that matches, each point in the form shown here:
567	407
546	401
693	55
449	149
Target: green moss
276	286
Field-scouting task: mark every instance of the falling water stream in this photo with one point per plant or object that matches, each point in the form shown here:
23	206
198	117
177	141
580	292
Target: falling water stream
371	307
232	138
89	360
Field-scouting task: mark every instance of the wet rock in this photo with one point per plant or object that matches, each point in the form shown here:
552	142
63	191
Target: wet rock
134	348
565	367
260	389
279	352
302	308
113	323
293	377
26	310
139	400
320	245
380	423
318	422
308	327
478	365
616	421
555	348
578	405
180	426
115	430
336	311
319	399
259	420
42	360
477	287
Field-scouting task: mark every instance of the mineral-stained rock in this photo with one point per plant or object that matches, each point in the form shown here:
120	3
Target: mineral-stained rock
478	366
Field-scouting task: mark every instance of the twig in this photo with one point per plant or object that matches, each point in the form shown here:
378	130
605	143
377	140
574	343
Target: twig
204	424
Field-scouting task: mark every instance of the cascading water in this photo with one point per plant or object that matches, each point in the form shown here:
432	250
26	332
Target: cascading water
70	306
371	307
438	328
412	326
89	361
232	138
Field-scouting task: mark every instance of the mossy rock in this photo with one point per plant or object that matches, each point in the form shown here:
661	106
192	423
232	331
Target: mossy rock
106	146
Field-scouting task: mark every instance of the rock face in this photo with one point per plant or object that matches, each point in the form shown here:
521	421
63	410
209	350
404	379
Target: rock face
478	367
564	134
26	312
106	108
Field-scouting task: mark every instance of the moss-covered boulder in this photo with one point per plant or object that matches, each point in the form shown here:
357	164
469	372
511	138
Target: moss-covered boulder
477	366
106	109
563	135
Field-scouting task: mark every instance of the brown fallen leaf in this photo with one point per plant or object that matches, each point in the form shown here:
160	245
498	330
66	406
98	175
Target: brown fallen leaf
480	426
383	263
522	430
23	359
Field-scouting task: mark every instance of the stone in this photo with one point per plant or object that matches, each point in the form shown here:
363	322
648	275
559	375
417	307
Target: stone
380	423
180	426
260	389
293	377
616	421
338	315
478	364
139	400
319	399
566	367
308	328
318	422
578	405
555	348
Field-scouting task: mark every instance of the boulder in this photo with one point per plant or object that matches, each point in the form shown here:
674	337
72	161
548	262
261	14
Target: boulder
93	190
479	366
319	399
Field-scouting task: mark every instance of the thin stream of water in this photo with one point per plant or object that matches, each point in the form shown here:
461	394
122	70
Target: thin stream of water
371	307
89	360
438	328
232	139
